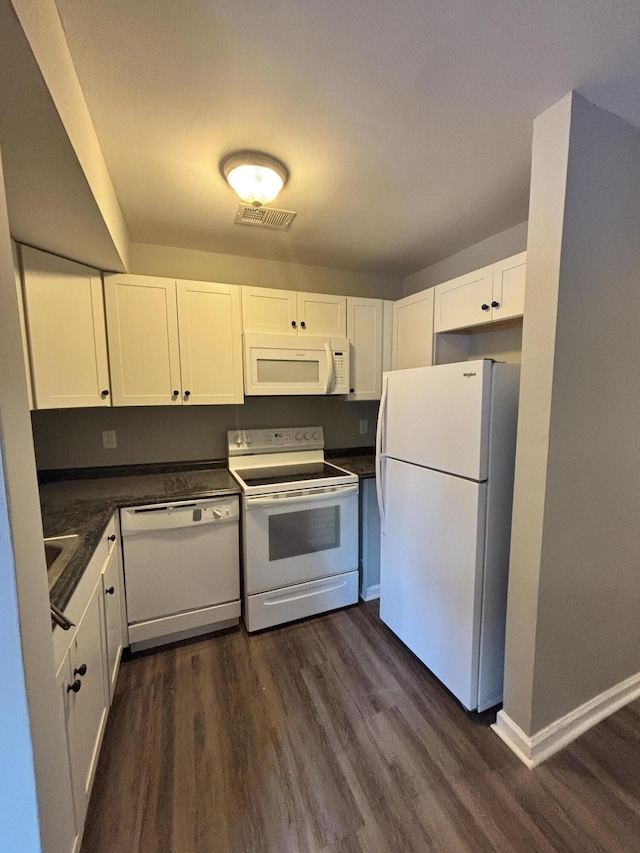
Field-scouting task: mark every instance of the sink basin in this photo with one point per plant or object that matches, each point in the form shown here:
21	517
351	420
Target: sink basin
58	551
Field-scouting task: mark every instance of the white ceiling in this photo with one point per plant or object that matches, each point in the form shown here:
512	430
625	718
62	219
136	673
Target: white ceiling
406	126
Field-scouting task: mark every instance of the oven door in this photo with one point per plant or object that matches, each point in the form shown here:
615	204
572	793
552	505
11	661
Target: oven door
297	536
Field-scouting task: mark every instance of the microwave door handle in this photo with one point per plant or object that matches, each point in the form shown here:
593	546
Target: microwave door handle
329	367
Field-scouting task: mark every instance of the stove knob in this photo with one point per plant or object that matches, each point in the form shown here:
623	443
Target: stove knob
316	435
307	436
298	436
248	439
238	439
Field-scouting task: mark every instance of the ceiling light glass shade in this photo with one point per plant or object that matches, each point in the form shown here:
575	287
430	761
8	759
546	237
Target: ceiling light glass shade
255	177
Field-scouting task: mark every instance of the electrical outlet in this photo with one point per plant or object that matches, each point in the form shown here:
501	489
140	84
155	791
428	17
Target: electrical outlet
364	427
109	439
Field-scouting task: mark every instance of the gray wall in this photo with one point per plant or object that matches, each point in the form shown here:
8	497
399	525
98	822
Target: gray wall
70	438
493	249
574	596
259	272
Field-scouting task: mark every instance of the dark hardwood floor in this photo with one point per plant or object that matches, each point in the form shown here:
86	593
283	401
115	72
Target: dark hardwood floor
328	735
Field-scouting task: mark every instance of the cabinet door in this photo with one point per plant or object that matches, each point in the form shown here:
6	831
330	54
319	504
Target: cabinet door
508	287
210	342
142	325
364	330
88	706
322	315
413	331
66	332
269	311
458	303
112	591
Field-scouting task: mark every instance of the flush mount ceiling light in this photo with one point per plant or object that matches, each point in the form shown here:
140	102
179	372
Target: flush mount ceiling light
257	178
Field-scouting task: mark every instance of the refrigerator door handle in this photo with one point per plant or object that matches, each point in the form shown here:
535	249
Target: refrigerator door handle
379	448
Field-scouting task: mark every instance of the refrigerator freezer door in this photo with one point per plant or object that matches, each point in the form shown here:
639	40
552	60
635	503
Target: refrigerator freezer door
439	417
431	571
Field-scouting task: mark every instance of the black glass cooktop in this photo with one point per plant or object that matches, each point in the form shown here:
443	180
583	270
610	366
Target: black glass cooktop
289	473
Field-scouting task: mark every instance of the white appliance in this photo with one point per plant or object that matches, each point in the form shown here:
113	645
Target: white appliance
181	568
286	364
445	450
300	525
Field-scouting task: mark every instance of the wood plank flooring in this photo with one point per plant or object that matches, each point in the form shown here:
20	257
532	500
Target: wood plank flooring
328	736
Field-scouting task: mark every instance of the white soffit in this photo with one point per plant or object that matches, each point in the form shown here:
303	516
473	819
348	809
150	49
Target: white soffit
406	127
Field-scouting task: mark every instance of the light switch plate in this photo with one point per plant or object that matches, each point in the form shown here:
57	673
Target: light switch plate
364	427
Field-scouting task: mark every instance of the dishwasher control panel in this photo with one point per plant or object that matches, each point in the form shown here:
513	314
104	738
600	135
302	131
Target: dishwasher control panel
168	516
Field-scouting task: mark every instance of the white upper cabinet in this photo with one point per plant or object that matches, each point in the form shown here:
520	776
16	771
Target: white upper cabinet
464	301
269	311
142	325
64	315
508	287
487	295
286	312
322	315
413	331
210	342
173	343
364	331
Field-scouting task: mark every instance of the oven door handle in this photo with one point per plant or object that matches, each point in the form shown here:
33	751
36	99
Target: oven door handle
296	497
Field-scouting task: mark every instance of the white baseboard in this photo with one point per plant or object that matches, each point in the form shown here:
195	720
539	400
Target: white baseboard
368	593
533	750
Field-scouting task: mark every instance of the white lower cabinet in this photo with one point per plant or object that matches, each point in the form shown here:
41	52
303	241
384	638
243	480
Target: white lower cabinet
112	593
88	700
87	659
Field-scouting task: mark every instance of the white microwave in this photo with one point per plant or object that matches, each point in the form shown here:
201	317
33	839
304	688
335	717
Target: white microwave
288	364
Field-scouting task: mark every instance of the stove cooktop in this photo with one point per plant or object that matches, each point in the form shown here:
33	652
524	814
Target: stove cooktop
290	473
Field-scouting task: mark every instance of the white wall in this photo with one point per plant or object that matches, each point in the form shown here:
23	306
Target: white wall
27	660
573	627
173	262
496	248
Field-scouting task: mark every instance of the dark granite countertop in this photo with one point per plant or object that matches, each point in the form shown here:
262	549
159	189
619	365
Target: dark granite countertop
84	507
83	501
362	464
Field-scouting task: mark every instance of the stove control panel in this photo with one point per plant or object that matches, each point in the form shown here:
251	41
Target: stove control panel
241	441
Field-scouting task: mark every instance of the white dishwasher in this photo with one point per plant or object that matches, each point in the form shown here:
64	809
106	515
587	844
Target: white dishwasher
181	568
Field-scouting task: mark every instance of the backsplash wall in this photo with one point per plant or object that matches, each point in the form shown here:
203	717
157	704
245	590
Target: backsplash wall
72	438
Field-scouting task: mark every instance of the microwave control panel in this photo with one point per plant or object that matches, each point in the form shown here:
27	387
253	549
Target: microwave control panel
339	378
274	440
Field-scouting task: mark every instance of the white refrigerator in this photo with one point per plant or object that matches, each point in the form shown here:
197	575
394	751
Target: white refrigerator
445	451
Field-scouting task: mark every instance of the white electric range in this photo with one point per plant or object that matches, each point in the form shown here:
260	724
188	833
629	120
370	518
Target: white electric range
300	525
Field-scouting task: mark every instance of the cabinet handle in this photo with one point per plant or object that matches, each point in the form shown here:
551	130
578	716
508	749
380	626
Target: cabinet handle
77	684
495	304
112	538
111	590
303	325
293	323
105	393
174	393
187	394
352	390
484	306
81	670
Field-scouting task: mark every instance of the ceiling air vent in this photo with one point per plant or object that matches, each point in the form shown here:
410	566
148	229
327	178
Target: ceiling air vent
265	217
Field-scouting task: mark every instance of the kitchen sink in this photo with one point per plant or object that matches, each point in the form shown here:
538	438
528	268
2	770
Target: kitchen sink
58	551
